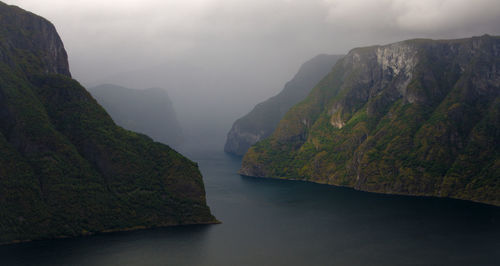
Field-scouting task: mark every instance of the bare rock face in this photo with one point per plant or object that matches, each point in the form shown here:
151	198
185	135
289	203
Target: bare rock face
238	140
263	119
398	60
38	36
418	117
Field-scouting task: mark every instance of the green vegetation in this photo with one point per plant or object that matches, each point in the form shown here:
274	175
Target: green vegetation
263	119
428	126
65	168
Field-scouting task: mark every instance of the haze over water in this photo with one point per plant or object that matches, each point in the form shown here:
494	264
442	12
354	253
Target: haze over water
276	222
219	58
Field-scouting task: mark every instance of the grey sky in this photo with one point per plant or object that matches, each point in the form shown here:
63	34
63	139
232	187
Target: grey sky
223	56
103	37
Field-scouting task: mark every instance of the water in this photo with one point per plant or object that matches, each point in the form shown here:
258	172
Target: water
276	222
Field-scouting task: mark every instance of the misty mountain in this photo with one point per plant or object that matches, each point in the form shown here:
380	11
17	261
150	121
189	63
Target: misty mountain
66	169
265	116
418	117
208	95
147	111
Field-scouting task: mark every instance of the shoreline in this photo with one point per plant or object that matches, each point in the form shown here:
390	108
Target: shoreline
107	231
374	192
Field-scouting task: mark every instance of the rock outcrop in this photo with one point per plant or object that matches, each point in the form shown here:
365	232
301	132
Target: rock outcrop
263	119
66	169
418	117
38	36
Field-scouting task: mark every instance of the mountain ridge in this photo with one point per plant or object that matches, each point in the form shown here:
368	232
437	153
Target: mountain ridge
149	111
412	117
264	117
66	169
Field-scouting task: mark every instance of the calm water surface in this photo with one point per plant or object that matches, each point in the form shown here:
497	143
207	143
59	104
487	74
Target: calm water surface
275	222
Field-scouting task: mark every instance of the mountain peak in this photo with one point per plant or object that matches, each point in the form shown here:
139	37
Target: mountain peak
36	47
66	169
263	119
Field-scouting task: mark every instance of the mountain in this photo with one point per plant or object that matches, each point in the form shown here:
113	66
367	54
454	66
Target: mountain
418	117
147	111
265	116
66	169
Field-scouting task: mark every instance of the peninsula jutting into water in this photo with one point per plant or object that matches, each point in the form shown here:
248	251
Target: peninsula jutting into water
403	133
66	168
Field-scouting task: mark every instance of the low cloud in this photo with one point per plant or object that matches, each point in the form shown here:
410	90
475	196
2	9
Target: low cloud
416	16
218	58
105	37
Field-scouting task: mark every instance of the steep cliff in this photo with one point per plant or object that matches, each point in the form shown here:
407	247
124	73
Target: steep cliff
418	117
65	168
263	119
147	111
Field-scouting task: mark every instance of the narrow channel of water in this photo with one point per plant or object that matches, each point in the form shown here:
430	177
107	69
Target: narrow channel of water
276	222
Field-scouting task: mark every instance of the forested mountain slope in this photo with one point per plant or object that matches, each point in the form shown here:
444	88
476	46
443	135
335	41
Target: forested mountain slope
263	119
65	168
418	117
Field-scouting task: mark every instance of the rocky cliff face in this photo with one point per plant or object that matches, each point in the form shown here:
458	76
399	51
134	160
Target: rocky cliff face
38	36
148	111
65	168
263	119
419	117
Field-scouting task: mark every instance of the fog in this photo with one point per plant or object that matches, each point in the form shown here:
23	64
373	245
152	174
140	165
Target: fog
218	58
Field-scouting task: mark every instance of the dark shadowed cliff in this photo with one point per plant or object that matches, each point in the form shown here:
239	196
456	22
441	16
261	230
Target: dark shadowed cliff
147	111
263	119
418	117
65	168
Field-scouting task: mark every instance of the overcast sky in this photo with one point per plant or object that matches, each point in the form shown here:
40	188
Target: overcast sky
248	48
105	37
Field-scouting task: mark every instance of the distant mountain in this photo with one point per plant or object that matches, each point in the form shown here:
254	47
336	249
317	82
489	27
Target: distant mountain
263	119
65	168
147	111
418	117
